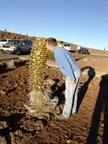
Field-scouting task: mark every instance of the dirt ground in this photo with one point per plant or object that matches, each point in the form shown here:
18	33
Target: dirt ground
89	126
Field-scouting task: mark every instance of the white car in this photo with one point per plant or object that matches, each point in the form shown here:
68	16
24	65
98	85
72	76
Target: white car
4	41
67	46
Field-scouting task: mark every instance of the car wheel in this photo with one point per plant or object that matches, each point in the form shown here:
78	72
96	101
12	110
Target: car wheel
29	51
18	52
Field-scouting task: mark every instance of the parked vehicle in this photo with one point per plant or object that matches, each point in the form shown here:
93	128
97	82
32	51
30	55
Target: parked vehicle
4	41
83	51
66	46
17	46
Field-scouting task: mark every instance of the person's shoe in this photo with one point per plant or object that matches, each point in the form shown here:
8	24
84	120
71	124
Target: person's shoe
60	116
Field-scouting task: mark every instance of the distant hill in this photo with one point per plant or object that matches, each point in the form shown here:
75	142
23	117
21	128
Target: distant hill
10	35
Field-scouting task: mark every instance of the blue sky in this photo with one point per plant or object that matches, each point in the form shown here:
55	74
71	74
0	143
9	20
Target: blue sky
81	22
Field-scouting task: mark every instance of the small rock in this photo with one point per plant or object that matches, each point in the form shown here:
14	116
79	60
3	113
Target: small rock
11	64
69	141
50	81
3	140
2	92
102	124
3	124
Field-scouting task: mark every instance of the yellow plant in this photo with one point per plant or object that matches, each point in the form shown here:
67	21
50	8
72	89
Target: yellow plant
37	63
39	100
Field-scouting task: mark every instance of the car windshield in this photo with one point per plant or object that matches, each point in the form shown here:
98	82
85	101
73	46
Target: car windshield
14	42
10	42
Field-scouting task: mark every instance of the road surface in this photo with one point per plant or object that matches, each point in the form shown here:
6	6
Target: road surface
26	56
